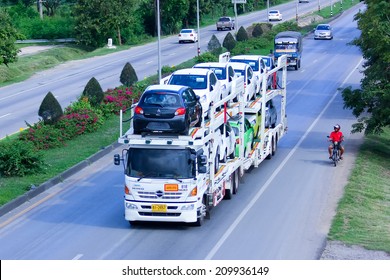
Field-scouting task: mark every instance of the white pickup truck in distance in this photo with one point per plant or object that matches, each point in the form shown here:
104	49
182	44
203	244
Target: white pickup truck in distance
204	82
230	82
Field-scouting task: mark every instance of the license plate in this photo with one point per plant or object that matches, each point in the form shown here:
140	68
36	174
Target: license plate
159	208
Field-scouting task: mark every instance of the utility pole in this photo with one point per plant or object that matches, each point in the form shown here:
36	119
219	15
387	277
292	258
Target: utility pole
158	40
197	19
40	8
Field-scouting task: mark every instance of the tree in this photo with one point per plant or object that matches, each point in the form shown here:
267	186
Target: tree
50	110
98	20
229	42
8	36
214	46
242	35
94	92
128	76
371	103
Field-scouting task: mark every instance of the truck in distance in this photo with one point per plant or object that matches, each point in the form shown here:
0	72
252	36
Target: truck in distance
289	43
225	23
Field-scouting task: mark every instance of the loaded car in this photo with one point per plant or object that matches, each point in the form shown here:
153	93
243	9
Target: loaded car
227	145
246	71
167	108
204	83
271	115
248	135
256	63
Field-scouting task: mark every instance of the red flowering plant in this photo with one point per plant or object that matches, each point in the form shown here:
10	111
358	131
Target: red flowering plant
79	118
120	98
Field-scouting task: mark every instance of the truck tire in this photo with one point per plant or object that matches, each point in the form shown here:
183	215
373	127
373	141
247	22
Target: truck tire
236	181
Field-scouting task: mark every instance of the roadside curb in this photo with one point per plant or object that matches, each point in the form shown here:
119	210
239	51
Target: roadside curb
34	191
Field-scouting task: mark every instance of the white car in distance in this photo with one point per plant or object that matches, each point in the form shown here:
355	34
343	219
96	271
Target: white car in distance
275	15
188	35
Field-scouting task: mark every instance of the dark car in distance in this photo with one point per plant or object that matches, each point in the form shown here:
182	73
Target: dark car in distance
167	109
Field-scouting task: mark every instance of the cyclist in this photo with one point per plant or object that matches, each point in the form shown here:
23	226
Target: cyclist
336	136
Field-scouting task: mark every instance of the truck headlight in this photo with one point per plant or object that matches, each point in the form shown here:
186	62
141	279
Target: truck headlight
188	207
130	206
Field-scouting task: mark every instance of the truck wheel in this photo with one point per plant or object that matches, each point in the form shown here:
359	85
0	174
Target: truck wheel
216	162
274	148
236	180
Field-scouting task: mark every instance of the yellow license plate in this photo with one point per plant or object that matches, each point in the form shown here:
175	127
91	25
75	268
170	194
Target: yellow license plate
159	208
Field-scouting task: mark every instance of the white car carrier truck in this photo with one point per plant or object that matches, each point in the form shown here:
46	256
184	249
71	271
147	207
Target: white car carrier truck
179	178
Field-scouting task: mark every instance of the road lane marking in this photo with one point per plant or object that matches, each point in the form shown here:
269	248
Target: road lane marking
78	256
233	226
6	115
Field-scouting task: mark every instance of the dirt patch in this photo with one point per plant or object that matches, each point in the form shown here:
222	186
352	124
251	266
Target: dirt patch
34	49
336	250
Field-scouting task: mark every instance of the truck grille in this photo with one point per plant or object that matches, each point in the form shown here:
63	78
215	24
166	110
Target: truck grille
160	195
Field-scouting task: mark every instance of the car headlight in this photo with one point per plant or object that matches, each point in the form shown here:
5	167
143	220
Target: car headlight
130	206
188	207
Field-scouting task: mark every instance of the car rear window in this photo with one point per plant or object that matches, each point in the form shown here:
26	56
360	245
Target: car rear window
186	31
193	81
161	98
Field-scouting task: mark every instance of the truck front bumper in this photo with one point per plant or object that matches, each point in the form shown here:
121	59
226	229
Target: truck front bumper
172	212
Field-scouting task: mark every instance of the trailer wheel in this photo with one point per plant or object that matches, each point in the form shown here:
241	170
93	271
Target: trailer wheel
236	180
272	149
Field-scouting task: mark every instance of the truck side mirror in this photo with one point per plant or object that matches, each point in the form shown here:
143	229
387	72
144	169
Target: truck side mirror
117	159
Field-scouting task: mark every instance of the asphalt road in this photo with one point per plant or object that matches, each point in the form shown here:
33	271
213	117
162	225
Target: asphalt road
282	211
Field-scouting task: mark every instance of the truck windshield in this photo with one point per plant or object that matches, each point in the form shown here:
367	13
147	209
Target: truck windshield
284	47
159	163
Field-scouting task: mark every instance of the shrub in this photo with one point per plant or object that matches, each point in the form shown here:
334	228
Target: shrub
43	136
128	76
206	57
120	98
242	35
229	42
50	110
214	46
19	158
94	92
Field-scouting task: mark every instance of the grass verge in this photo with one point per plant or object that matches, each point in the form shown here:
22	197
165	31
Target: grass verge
363	214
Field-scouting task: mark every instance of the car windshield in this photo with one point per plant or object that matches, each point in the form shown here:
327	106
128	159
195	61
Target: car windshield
239	72
193	81
323	27
163	99
267	61
159	163
252	63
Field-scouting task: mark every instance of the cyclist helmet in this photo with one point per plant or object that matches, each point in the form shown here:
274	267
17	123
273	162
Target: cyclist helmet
336	127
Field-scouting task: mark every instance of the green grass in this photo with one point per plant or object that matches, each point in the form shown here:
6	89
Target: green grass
60	159
363	215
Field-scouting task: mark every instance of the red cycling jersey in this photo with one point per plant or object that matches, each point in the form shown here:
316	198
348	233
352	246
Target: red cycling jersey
336	136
